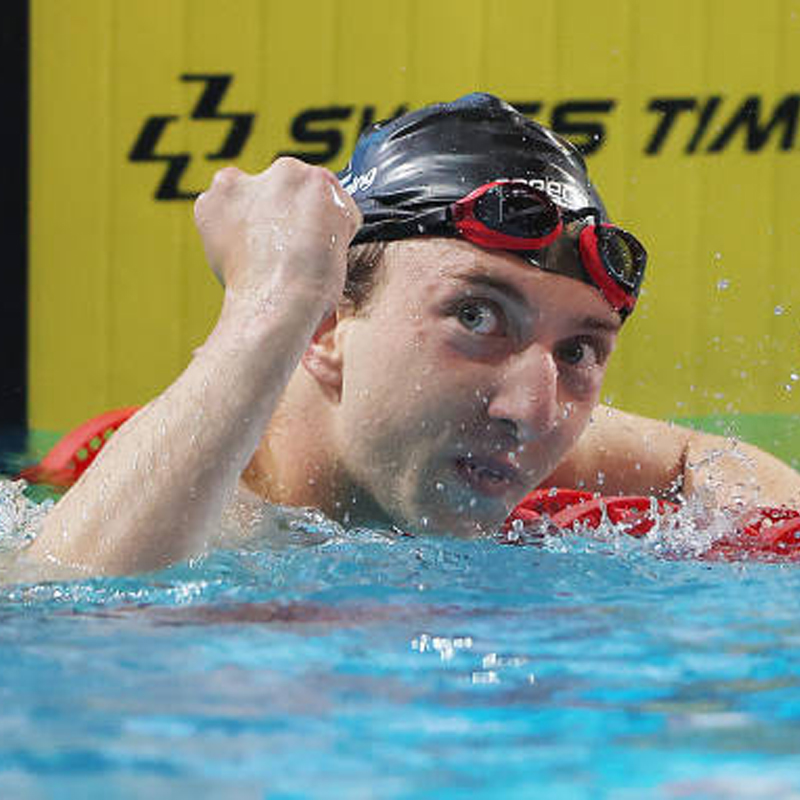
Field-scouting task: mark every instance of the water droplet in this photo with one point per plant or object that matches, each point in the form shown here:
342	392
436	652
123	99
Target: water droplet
794	376
778	310
723	284
439	486
336	199
422	643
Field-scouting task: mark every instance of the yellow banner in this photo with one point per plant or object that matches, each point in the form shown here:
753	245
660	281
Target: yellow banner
688	112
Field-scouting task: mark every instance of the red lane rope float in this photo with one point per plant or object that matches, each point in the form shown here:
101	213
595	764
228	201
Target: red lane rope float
75	451
566	508
764	533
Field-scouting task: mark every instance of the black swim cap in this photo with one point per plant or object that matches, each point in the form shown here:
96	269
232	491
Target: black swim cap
440	153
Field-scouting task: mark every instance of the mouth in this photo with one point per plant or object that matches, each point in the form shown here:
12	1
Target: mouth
490	477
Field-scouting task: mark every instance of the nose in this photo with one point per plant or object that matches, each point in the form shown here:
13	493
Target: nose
526	395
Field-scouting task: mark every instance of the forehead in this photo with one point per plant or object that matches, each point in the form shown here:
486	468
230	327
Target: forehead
420	268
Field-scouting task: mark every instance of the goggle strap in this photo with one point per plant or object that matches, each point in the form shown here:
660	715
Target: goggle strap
434	222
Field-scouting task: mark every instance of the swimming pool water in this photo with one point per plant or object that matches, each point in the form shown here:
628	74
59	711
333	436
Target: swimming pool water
354	664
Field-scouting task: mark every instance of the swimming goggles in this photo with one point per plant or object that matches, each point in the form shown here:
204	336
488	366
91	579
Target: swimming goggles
513	215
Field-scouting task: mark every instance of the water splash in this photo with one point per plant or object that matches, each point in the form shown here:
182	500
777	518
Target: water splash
20	518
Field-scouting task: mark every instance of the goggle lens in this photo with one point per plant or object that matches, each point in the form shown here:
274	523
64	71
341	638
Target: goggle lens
516	210
512	215
622	255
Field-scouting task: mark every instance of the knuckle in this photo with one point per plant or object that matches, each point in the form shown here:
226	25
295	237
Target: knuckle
200	203
287	164
319	176
226	178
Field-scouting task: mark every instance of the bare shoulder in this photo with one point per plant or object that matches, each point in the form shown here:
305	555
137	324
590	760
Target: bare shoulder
625	453
622	453
611	430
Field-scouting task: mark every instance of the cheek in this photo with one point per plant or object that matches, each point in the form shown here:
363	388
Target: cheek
584	385
384	395
576	417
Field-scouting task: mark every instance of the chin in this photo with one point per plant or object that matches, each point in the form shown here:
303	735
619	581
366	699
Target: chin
462	520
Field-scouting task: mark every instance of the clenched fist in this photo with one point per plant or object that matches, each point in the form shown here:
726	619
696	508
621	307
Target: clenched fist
284	231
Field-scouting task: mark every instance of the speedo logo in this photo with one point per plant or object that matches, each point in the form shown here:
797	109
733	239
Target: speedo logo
359	183
562	194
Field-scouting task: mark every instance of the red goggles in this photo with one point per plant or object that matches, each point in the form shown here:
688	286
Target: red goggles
512	215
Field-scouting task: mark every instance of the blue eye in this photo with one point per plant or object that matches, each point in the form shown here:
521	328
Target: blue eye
479	317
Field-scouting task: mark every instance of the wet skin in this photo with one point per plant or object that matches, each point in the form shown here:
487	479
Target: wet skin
461	385
465	380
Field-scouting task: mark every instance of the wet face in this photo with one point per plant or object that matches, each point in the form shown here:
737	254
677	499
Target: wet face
466	379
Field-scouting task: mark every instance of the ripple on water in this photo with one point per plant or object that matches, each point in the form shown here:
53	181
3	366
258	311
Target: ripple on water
583	664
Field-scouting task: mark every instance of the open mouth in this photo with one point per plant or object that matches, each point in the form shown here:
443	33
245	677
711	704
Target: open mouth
486	476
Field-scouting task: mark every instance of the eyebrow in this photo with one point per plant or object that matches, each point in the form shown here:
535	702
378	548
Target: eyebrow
586	322
598	324
495	283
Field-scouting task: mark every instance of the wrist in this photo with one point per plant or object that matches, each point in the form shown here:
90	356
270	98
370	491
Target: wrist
262	313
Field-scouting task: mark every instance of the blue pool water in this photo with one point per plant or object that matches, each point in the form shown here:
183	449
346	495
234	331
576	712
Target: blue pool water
351	664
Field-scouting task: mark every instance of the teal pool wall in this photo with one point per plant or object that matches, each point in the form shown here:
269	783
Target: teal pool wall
778	434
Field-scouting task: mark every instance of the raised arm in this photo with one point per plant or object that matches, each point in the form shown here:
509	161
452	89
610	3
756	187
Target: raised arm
278	242
621	453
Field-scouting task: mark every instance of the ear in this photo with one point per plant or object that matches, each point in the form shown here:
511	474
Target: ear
322	359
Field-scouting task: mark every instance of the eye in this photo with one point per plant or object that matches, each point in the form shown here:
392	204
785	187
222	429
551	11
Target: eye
480	316
585	353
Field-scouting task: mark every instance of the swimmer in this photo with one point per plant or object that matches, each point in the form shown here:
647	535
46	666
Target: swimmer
415	344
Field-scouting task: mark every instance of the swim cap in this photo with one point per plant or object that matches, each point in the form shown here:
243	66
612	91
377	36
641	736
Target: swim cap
440	153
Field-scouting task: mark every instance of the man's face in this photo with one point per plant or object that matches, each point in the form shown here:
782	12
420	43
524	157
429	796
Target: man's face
466	379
